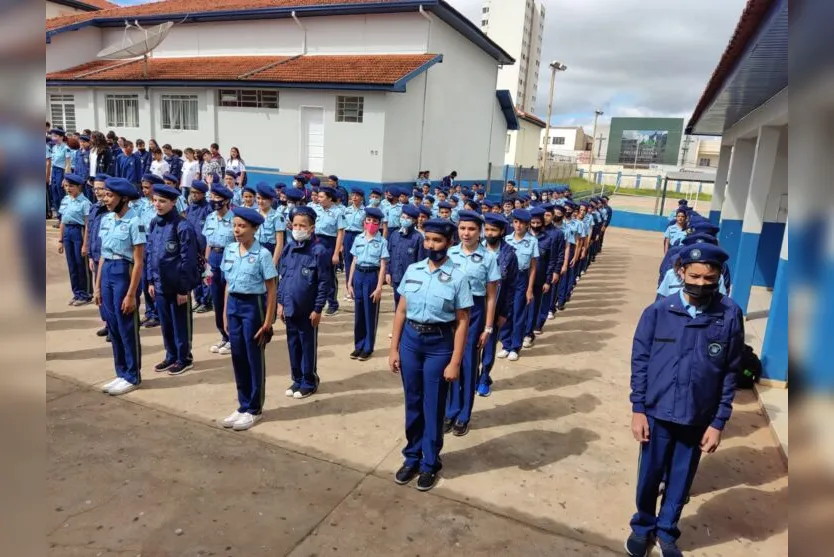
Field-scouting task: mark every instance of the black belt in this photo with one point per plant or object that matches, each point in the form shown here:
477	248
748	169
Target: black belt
217	250
430	328
368	269
74	224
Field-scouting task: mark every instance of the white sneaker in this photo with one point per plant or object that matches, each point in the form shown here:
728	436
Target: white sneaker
502	354
513	357
215	348
230	420
246	421
527	342
347	298
121	388
551	315
226	349
390	335
106	387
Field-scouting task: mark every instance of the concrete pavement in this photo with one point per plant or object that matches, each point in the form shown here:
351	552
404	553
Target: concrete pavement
547	469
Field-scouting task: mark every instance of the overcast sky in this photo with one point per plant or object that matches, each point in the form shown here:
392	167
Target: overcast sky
625	57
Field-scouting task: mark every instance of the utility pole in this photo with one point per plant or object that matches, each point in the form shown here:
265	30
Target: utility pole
685	150
554	67
597	114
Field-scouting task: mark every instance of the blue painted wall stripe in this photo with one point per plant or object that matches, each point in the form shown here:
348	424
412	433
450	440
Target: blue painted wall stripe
774	354
816	367
715	217
767	259
639	221
744	268
729	237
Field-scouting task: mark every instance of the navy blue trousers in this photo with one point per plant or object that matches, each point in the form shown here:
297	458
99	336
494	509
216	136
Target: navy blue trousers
423	357
565	286
56	190
673	451
245	315
302	342
218	291
534	310
512	333
488	358
176	323
547	305
124	329
366	312
350	236
79	272
462	391
329	242
150	304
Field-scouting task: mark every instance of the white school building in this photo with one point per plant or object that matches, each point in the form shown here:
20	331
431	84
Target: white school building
372	91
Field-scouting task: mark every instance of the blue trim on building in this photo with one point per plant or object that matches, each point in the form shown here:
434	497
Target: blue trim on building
440	8
742	272
774	354
715	217
399	85
638	221
729	237
767	260
505	100
816	368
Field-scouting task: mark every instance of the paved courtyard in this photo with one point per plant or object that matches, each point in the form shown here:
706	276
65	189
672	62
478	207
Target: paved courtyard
547	469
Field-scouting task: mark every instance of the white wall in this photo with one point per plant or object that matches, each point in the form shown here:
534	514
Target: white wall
569	135
498	142
404	129
525	145
72	48
382	34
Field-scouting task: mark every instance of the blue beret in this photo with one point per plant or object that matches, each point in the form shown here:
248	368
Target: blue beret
524	197
264	190
584	204
521	214
314	181
424	210
231	173
357	191
699	238
705	227
122	187
332	193
439	226
558	208
222	191
304	210
250	189
334	177
102	177
428	198
166	191
377	191
294	194
152	179
444	205
74	179
681	211
470	216
199	185
280	185
703	253
536	212
410	210
84	137
373	212
301	178
168	177
547	207
418	195
58	131
249	215
682	202
496	219
487	203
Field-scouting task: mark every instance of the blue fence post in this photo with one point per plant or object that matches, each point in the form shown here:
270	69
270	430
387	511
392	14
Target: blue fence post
619	178
637	182
678	186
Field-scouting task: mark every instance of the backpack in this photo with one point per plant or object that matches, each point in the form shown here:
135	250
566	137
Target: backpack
751	369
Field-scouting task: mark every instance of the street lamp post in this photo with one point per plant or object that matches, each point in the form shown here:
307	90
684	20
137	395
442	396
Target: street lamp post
554	67
597	114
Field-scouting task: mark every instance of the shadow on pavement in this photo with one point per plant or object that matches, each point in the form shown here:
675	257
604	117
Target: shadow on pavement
737	466
545	379
337	405
547	407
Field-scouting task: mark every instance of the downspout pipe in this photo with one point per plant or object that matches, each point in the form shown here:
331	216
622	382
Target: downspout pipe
303	30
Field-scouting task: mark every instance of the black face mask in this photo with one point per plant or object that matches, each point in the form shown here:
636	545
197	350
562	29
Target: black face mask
700	291
558	219
536	229
493	240
120	205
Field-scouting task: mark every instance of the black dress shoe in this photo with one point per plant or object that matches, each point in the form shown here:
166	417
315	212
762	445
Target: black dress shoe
355	354
164	365
405	474
460	429
365	356
151	323
102	332
447	426
426	481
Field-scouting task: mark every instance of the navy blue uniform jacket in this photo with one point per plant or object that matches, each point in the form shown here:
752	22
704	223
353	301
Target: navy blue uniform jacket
171	259
404	250
305	271
508	264
683	369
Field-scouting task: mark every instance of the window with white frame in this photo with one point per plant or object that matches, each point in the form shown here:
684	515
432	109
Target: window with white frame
179	112
121	111
62	111
507	146
558	141
248	98
350	109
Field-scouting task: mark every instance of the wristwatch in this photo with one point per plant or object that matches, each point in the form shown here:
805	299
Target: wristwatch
488	330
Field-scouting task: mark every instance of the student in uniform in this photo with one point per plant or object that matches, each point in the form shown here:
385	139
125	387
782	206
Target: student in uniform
117	283
92	241
75	210
429	333
330	232
546	268
354	223
527	252
146	213
144	156
219	233
671	281
677	231
481	269
405	246
171	272
305	273
81	167
561	254
170	180
366	276
58	164
251	299
270	233
128	164
686	352
423	217
609	212
197	212
399	199
375	199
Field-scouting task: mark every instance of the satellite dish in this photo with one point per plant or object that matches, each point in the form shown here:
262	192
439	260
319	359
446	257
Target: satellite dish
135	48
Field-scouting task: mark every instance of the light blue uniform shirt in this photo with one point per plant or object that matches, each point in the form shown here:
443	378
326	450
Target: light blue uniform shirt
182	205
218	230
247	273
589	223
369	253
237	196
675	234
59	154
145	211
118	236
74	211
273	223
354	218
329	221
434	297
394	216
526	249
480	267
385	205
693	311
671	283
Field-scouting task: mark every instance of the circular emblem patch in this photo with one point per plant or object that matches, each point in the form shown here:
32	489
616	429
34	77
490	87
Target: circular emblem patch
714	349
525	243
477	257
305	272
252	259
123	227
410	251
695	254
171	247
444	277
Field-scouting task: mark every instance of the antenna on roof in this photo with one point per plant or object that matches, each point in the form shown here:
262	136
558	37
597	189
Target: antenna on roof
139	46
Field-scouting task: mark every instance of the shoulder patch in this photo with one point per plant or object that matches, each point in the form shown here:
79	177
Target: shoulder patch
141	228
477	257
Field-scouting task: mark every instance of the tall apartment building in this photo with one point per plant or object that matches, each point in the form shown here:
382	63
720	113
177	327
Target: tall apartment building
518	26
